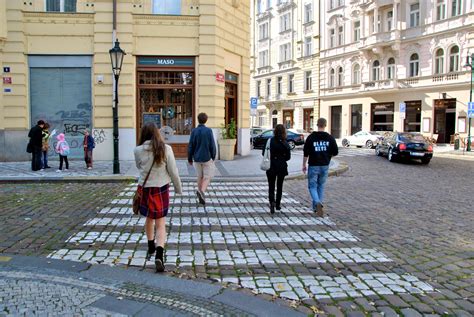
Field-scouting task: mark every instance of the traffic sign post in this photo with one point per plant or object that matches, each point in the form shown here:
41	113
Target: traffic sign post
470	109
253	103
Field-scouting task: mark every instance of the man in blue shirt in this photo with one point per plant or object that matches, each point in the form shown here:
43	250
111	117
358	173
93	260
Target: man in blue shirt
202	150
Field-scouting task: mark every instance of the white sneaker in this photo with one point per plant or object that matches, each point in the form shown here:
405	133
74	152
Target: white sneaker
89	168
58	171
42	170
66	169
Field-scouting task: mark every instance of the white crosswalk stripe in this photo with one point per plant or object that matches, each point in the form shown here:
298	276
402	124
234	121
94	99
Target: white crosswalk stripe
231	207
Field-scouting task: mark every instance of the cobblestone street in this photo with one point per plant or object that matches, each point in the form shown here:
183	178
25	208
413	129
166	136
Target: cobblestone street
398	239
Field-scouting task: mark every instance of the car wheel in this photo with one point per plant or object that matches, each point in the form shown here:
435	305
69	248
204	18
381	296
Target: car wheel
425	161
377	151
345	143
291	144
369	144
391	156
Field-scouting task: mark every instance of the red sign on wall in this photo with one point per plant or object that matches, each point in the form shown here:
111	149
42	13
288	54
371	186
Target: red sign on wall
7	80
220	77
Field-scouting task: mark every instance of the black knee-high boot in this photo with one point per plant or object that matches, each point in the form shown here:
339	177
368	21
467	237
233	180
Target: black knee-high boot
159	262
151	249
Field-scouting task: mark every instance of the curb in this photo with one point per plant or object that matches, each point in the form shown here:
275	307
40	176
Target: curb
126	289
342	168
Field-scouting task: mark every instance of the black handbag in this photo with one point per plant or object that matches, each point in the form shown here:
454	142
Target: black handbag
29	148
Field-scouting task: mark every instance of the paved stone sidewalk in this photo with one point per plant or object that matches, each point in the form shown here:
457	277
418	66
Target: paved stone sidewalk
243	167
31	286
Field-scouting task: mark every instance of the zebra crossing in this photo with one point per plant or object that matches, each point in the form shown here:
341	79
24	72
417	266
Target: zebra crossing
235	233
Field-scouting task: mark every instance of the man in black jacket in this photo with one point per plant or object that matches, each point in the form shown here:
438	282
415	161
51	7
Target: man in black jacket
319	147
36	142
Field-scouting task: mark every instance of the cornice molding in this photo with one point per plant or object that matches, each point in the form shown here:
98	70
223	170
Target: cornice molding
61	15
156	17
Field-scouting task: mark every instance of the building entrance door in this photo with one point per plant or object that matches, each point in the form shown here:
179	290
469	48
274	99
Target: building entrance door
445	119
356	118
308	117
336	112
231	109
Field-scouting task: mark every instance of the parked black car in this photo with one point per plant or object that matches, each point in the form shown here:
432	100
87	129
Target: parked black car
405	145
292	138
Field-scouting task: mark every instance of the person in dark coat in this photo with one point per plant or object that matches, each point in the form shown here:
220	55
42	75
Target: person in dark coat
280	153
36	143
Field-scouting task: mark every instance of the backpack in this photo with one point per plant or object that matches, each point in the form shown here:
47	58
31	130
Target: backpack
64	148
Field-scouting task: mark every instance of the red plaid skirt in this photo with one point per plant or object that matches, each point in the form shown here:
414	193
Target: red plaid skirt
155	201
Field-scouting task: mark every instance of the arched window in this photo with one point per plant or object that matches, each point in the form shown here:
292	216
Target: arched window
439	61
331	78
356	74
340	76
391	68
376	70
454	59
414	65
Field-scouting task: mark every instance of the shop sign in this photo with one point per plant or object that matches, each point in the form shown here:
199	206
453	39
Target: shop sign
165	62
152	117
220	77
7	80
7	90
231	77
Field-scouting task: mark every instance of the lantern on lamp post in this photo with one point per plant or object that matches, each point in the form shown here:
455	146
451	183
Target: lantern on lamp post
116	58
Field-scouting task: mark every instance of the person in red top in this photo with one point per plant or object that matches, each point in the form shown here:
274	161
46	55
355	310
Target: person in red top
319	147
89	145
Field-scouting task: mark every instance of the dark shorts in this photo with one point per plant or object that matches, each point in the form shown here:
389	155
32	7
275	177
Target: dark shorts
155	201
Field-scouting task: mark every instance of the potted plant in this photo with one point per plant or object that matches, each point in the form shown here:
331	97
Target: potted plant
227	141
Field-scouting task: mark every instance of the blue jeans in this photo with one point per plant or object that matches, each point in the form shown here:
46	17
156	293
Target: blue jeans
44	162
317	176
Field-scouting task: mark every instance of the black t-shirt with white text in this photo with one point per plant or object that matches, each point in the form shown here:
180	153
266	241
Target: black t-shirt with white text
320	147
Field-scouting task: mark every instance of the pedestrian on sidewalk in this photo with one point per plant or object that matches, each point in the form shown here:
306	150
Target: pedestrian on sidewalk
280	153
202	151
35	145
319	147
45	145
62	148
89	145
157	166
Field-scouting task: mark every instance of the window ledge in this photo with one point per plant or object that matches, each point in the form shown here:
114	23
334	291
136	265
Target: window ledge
291	94
308	91
309	23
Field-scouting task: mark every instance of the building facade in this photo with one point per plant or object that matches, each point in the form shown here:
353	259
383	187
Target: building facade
396	66
285	62
183	57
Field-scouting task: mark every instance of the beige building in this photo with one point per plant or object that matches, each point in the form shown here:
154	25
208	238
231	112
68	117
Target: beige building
379	58
285	63
183	57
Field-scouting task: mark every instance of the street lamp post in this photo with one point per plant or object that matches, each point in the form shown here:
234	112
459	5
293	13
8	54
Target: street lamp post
116	57
471	65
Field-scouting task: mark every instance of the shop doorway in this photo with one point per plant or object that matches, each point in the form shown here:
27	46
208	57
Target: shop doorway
288	118
308	117
382	116
356	118
274	119
445	119
231	101
336	123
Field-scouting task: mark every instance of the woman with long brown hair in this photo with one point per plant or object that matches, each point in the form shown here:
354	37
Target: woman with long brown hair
157	165
279	155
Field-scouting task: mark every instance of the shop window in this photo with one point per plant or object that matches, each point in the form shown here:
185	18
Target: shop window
61	5
168	7
413	116
382	116
168	95
288	118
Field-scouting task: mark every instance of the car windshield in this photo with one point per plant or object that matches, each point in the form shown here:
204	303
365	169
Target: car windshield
409	137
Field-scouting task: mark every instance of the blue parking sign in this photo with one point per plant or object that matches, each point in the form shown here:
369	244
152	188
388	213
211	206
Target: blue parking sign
470	109
253	103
